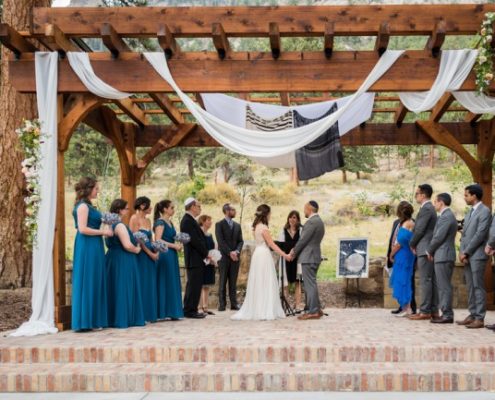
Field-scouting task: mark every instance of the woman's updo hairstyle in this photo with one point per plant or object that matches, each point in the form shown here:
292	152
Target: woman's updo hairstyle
84	188
261	215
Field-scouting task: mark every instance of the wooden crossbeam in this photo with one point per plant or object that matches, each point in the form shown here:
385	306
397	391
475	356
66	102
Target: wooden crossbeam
382	38
56	40
220	40
274	35
400	114
328	39
112	40
199	99
296	21
370	135
471	118
285	99
437	38
441	107
167	41
203	72
14	41
132	111
167	106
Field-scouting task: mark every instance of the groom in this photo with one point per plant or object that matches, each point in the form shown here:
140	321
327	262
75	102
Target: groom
308	252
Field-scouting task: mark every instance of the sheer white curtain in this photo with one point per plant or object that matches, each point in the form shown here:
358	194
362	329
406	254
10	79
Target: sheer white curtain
476	103
455	66
254	143
42	300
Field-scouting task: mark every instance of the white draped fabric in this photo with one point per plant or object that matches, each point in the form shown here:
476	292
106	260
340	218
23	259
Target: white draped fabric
455	66
254	143
81	65
476	103
42	300
233	110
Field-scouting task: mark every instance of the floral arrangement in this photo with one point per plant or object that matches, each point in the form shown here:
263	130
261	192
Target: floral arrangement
159	246
109	218
31	137
182	237
215	255
140	236
484	61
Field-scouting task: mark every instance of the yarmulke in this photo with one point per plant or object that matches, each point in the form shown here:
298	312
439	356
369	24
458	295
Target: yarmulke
314	204
189	200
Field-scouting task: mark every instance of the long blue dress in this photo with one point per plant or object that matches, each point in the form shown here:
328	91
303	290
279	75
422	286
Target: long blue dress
125	306
89	290
402	270
147	274
169	290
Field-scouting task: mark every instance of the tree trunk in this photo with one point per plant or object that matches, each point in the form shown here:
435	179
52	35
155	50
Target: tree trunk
15	261
358	175
344	176
432	156
190	166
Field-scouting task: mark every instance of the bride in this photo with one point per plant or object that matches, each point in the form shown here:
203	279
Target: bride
262	300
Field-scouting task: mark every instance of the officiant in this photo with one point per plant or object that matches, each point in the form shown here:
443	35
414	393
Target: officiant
230	242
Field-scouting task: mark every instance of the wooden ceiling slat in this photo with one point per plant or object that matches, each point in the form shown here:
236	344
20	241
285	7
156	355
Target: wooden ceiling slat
353	20
14	41
382	38
274	35
441	107
167	41
56	40
112	40
328	39
132	111
435	42
220	40
166	106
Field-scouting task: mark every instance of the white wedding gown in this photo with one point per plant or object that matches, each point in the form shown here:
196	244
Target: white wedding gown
262	300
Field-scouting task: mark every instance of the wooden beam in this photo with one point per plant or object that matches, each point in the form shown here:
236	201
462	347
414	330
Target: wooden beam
132	111
356	20
199	100
203	72
274	35
56	40
400	114
112	40
437	38
220	40
441	107
472	117
382	38
328	39
14	41
167	41
369	135
166	105
285	99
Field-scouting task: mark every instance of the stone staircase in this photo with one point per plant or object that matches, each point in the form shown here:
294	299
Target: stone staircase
351	350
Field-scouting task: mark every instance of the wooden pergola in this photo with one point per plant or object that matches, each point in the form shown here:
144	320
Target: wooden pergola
291	75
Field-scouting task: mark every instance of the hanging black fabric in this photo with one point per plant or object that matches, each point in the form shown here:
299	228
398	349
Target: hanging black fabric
323	154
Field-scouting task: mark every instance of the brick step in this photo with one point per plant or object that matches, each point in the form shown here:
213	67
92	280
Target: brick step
253	354
229	377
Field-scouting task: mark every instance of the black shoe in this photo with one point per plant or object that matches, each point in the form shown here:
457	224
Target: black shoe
442	320
195	315
221	308
235	308
491	327
398	311
209	312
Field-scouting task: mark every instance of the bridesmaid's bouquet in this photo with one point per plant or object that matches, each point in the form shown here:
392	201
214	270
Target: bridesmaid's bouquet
182	237
109	218
140	236
159	246
215	255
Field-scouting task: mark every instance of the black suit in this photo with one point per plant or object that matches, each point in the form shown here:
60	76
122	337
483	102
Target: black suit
194	253
390	264
228	239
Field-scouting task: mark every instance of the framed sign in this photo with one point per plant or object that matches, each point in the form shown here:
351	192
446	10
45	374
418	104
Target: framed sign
353	258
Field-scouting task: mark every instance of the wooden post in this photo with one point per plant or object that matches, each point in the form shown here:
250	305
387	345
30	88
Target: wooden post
62	310
128	179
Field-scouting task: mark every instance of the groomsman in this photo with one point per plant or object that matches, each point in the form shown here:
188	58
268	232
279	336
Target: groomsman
422	234
230	242
472	254
441	251
194	254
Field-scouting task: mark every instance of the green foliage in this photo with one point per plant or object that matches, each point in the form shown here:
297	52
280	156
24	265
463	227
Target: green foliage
398	193
359	159
363	205
458	176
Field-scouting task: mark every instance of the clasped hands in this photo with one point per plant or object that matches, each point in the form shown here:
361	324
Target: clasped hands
289	257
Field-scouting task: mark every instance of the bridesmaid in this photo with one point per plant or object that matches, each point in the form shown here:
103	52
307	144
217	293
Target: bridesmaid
205	223
146	259
125	307
169	285
89	290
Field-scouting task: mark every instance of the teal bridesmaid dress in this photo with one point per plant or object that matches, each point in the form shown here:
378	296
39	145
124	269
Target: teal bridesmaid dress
169	290
89	284
147	273
125	306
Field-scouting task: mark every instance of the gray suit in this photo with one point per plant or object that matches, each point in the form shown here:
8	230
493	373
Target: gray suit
308	252
442	248
473	241
491	235
422	235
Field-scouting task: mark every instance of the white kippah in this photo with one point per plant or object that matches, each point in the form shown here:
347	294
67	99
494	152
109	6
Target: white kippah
189	200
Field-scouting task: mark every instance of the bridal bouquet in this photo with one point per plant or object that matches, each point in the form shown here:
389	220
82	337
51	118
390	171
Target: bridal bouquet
182	237
140	236
109	218
159	246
